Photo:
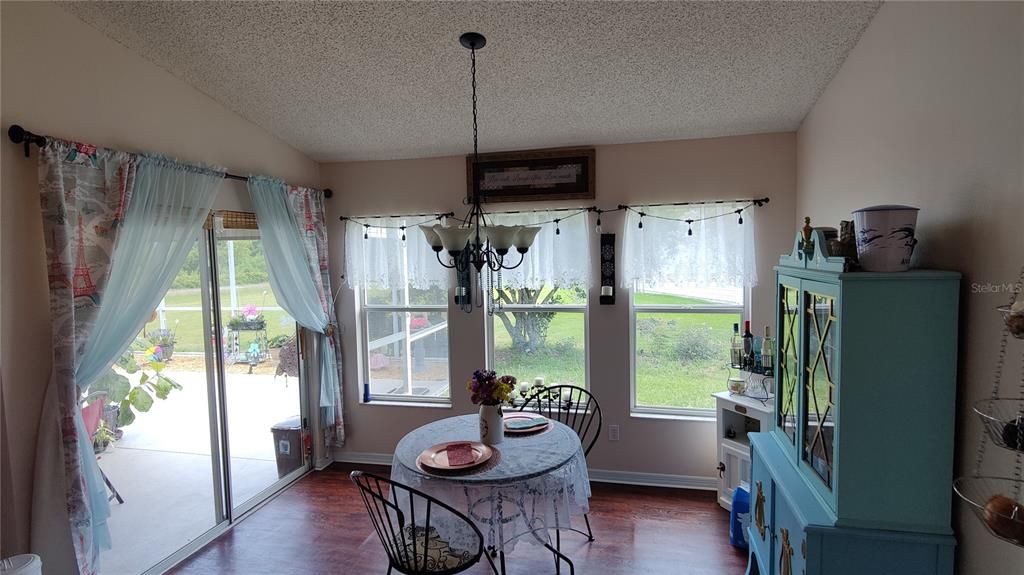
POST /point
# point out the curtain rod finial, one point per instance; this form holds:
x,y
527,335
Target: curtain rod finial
x,y
328,192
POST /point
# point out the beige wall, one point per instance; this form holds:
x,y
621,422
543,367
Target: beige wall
x,y
721,168
62,77
928,110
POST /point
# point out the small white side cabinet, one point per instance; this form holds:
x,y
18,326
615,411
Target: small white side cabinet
x,y
736,416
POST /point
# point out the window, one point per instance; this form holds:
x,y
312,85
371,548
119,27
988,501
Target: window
x,y
540,333
687,292
403,312
681,344
539,323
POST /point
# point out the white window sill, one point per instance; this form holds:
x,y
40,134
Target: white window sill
x,y
709,418
403,403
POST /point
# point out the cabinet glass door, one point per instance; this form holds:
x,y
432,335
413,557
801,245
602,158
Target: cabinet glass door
x,y
819,386
788,366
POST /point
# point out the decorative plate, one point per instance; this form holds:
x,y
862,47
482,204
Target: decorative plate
x,y
519,422
436,457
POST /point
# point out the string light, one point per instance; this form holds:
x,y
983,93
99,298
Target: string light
x,y
442,218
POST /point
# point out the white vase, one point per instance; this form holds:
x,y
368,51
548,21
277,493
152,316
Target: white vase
x,y
492,426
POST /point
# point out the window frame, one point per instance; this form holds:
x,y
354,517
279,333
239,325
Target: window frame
x,y
363,308
635,410
582,308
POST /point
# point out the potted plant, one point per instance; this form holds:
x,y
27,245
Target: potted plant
x,y
164,339
130,397
251,319
102,438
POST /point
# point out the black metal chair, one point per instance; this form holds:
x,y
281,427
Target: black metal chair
x,y
580,410
401,516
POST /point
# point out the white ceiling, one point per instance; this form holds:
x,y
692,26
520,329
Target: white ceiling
x,y
379,80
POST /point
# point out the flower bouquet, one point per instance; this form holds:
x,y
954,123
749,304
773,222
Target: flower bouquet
x,y
489,391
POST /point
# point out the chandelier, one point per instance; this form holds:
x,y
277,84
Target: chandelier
x,y
474,242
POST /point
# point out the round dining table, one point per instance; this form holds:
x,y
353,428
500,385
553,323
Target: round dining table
x,y
533,483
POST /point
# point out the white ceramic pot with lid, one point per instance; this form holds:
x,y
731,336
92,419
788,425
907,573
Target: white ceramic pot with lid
x,y
885,237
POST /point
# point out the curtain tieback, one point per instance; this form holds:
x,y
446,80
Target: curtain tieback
x,y
329,330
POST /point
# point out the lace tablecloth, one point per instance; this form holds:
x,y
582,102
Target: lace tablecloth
x,y
538,482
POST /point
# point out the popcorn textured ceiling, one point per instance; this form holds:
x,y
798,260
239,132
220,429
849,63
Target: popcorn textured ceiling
x,y
383,80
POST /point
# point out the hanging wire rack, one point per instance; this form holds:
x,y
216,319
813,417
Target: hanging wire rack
x,y
996,500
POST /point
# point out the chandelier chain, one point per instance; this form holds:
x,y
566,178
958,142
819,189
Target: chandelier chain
x,y
476,151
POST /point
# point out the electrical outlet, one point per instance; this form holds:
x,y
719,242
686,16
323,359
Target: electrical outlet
x,y
613,433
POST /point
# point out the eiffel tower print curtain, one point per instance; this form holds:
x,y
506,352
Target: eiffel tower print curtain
x,y
292,223
118,227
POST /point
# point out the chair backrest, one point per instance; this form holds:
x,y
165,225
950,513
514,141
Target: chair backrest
x,y
571,405
392,507
91,415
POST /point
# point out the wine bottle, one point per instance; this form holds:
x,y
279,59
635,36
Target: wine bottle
x,y
768,352
748,345
736,351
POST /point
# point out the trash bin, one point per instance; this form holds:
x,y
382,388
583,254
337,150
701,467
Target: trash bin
x,y
21,565
739,519
288,445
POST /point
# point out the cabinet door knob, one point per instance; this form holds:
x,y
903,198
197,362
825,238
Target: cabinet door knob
x,y
721,469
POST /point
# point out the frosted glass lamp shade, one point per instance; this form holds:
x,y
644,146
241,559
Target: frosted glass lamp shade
x,y
525,236
502,237
484,234
453,239
432,238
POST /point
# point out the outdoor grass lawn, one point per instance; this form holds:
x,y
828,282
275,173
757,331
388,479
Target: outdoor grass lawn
x,y
681,358
190,323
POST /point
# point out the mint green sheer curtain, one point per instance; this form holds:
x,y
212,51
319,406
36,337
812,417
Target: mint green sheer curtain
x,y
168,206
295,282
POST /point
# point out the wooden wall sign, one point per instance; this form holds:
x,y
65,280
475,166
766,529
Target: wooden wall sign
x,y
532,175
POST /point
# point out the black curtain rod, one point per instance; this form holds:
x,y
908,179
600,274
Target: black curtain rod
x,y
20,135
758,202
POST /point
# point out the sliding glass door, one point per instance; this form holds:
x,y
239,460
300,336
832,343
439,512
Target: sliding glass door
x,y
204,416
259,357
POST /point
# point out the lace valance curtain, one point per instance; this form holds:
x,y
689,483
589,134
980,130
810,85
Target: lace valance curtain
x,y
556,259
382,259
662,254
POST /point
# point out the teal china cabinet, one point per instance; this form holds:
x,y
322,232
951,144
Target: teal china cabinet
x,y
853,476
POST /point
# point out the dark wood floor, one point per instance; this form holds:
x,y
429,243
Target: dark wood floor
x,y
319,526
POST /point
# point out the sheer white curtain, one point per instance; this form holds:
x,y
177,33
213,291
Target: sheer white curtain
x,y
662,254
556,259
379,259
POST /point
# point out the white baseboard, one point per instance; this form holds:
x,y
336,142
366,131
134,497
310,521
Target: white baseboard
x,y
654,479
599,475
363,458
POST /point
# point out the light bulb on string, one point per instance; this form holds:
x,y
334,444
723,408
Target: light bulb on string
x,y
598,227
689,230
558,231
403,232
740,213
641,224
366,231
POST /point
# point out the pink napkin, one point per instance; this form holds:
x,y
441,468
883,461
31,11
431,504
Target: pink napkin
x,y
460,454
